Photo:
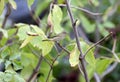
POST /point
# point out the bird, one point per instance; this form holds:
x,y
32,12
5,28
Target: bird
x,y
58,37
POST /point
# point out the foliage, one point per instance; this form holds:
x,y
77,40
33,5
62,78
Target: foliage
x,y
28,49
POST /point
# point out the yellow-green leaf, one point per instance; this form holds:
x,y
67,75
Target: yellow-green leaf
x,y
57,18
38,31
46,47
2,4
30,2
5,33
74,57
102,64
13,3
26,41
90,59
22,32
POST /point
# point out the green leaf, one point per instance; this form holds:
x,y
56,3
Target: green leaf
x,y
13,3
90,59
44,73
26,72
102,64
108,24
17,78
22,32
46,47
2,76
89,28
26,41
57,18
7,64
30,2
102,30
5,33
38,31
8,77
2,4
36,42
17,65
28,59
74,57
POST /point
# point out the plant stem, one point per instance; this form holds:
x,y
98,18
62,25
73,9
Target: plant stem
x,y
6,15
68,52
35,71
82,9
95,44
77,40
51,67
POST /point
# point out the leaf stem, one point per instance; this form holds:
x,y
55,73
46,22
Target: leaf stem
x,y
95,44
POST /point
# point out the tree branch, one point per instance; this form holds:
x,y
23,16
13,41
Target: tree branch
x,y
63,48
82,9
77,40
96,44
51,67
35,71
6,15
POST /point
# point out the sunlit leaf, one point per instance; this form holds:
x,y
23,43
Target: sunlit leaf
x,y
38,31
102,64
5,33
18,78
2,4
108,24
74,57
90,59
22,32
8,77
13,3
57,18
30,2
26,41
46,47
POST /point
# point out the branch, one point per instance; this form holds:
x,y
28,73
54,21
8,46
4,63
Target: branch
x,y
82,9
36,19
96,44
35,71
97,78
77,39
113,50
6,15
63,48
51,67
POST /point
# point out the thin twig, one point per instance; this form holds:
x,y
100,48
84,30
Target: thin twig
x,y
7,45
36,19
113,66
113,50
96,44
6,15
82,9
97,78
77,40
35,71
51,67
63,48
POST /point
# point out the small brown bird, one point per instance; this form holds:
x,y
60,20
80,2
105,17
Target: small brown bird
x,y
58,37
